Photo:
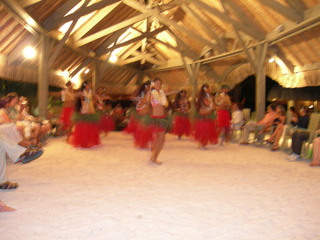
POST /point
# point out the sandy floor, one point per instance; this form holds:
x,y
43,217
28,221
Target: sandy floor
x,y
111,192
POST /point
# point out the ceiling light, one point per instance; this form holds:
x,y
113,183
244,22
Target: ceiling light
x,y
271,60
29,52
113,59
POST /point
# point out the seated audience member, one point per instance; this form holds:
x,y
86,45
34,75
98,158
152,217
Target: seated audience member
x,y
45,126
237,120
299,137
316,153
265,123
279,124
294,116
14,111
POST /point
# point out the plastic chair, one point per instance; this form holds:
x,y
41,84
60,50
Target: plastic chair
x,y
313,126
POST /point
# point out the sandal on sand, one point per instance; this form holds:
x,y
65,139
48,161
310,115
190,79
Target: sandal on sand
x,y
32,157
8,185
5,208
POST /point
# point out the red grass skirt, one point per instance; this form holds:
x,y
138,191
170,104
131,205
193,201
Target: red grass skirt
x,y
142,135
224,119
205,131
66,116
132,126
106,123
85,135
181,126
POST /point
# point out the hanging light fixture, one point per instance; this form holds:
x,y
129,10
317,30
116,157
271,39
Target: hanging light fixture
x,y
29,52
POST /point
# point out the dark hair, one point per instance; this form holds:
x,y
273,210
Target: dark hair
x,y
142,88
84,84
273,106
202,95
177,98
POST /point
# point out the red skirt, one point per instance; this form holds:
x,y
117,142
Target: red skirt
x,y
142,135
205,131
132,126
181,126
224,119
106,123
85,135
65,117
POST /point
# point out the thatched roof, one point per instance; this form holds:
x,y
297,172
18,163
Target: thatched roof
x,y
163,38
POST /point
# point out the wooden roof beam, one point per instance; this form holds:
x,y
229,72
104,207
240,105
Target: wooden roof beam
x,y
85,28
112,39
295,15
220,43
280,59
83,64
296,4
157,14
242,16
59,13
250,54
28,3
49,25
130,50
66,36
224,17
112,29
139,38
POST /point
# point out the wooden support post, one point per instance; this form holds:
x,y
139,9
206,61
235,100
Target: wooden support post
x,y
261,81
194,81
43,75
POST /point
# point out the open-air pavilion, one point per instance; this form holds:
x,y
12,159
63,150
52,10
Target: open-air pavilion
x,y
110,192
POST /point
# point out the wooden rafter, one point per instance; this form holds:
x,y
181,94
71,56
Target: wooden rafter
x,y
60,13
296,15
28,3
139,38
49,25
83,64
112,29
204,25
93,21
226,18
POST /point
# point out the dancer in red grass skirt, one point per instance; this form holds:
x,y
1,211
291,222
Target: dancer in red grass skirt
x,y
181,120
159,121
141,132
223,102
68,98
86,122
205,129
104,108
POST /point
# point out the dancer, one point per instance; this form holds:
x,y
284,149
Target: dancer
x,y
86,121
68,97
205,126
159,121
181,122
140,115
223,103
106,121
